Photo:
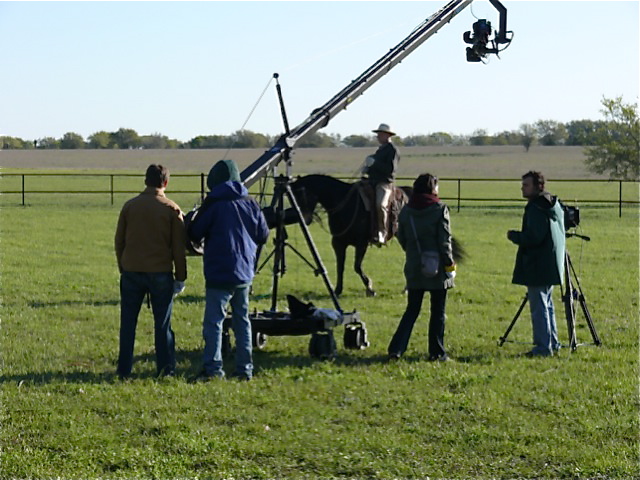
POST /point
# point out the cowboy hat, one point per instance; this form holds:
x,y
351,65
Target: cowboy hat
x,y
384,128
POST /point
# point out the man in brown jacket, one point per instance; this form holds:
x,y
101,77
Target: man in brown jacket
x,y
150,249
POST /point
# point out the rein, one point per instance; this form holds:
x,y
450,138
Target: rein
x,y
340,206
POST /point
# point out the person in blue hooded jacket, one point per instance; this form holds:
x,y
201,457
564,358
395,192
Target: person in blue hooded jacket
x,y
232,226
540,259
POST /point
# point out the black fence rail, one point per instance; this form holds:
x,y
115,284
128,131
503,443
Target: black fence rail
x,y
458,192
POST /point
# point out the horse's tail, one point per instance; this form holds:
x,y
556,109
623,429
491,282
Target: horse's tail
x,y
459,252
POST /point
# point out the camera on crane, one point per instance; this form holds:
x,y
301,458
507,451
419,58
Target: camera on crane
x,y
479,40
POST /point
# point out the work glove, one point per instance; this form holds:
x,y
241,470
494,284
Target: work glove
x,y
365,166
450,271
178,287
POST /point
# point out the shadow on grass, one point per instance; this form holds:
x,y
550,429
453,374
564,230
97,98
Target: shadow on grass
x,y
191,362
75,303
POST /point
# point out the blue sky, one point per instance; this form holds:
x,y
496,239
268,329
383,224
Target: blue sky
x,y
197,68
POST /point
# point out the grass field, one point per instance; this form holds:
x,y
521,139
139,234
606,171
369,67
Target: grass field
x,y
488,414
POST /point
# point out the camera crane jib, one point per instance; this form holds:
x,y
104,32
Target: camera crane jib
x,y
321,116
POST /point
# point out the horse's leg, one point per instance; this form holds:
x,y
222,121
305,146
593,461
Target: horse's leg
x,y
357,266
340,251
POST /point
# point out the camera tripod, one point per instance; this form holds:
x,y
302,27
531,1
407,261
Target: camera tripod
x,y
282,218
570,294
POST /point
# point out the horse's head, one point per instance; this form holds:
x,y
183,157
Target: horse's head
x,y
305,198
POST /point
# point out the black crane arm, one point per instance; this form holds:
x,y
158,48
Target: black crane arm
x,y
321,116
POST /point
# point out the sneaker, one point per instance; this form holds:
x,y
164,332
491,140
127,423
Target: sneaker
x,y
392,357
241,377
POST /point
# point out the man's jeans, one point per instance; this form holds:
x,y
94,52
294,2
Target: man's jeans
x,y
543,320
133,288
214,315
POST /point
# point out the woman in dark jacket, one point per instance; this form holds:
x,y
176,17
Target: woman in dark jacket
x,y
432,226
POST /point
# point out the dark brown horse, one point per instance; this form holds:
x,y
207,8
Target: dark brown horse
x,y
349,220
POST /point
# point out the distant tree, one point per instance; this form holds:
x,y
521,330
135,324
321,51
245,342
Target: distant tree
x,y
551,133
582,132
317,140
432,139
358,141
248,139
480,137
528,135
100,139
440,138
125,138
209,141
154,141
71,140
617,149
414,140
459,140
48,143
14,143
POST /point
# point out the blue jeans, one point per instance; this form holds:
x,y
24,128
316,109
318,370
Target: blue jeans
x,y
215,312
400,340
543,320
133,288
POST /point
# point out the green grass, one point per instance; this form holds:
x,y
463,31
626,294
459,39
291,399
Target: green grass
x,y
488,414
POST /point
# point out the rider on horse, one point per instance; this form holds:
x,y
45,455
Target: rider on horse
x,y
381,168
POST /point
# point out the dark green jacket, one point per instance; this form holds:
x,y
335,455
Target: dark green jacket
x,y
433,227
385,164
541,243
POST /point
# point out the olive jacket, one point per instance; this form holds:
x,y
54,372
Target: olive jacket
x,y
433,227
541,243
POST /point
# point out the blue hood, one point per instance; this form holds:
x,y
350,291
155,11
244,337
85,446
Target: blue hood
x,y
229,190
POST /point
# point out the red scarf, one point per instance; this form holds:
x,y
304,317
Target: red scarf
x,y
420,201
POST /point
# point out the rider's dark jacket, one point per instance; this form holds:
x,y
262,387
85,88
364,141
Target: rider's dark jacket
x,y
383,169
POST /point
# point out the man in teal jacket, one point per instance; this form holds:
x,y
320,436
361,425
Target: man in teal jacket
x,y
540,259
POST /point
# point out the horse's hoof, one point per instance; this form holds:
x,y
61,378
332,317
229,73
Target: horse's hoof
x,y
371,293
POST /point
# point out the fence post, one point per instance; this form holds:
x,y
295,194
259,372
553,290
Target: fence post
x,y
23,189
620,200
458,195
111,188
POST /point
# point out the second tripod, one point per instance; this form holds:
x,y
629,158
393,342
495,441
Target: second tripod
x,y
572,293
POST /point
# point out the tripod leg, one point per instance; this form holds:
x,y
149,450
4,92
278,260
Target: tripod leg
x,y
569,308
587,316
583,305
503,338
320,270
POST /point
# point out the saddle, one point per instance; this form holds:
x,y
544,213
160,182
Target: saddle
x,y
397,201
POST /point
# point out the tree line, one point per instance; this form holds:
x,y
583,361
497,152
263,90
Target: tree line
x,y
611,145
543,132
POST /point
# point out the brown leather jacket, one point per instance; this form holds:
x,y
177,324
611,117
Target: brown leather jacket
x,y
150,236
